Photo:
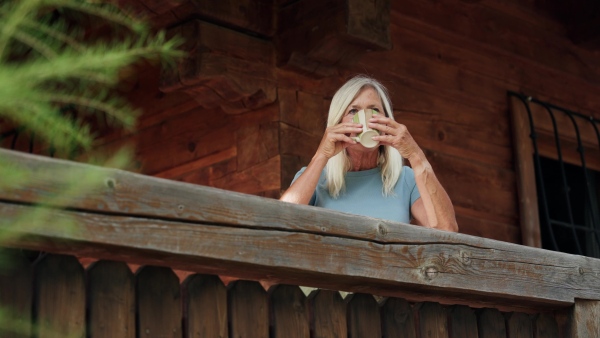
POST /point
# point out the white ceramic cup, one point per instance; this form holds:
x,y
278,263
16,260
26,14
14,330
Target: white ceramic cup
x,y
366,136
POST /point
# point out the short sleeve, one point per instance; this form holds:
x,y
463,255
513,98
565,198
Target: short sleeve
x,y
313,199
412,184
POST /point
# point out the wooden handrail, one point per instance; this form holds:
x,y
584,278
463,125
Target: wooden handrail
x,y
145,220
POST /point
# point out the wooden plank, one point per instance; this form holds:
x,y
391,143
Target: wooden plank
x,y
528,203
198,164
60,297
433,322
491,324
158,302
363,316
585,319
519,325
289,312
425,261
248,310
16,294
205,307
328,314
262,177
111,300
398,320
463,322
545,326
254,15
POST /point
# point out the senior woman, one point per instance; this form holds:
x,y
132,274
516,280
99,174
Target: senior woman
x,y
346,176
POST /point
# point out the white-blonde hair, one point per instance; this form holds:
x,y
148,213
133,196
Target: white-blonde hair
x,y
390,160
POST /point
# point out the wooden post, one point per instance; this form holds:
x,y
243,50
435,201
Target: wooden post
x,y
519,325
585,319
398,320
158,302
60,297
205,306
463,322
328,314
491,324
111,300
289,312
363,316
528,203
248,310
16,294
433,321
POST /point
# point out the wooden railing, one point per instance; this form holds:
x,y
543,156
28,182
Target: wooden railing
x,y
434,282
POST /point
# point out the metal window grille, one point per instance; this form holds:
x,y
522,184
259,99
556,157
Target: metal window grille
x,y
567,194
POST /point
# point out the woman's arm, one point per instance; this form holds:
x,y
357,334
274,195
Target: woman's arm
x,y
434,209
334,140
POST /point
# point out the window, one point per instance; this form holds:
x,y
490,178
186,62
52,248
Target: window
x,y
558,169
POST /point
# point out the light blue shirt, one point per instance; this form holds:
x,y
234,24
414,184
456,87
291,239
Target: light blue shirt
x,y
363,195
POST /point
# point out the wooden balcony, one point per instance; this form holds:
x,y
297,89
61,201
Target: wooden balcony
x,y
406,281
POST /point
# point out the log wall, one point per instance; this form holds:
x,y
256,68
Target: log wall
x,y
251,108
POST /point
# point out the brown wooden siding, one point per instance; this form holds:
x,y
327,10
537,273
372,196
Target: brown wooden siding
x,y
448,72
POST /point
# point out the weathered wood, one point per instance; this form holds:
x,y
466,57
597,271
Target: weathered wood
x,y
528,203
315,35
111,300
545,326
433,321
254,15
328,314
585,319
398,320
223,68
60,297
289,312
271,234
248,310
463,322
491,324
16,294
519,325
205,307
158,302
363,316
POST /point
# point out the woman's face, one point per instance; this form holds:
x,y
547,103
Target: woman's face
x,y
367,98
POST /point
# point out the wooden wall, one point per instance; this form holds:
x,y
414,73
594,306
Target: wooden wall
x,y
449,68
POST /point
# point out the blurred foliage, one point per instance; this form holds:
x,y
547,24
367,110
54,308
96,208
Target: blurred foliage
x,y
67,55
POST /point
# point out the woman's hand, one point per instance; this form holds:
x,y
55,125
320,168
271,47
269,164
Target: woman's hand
x,y
337,138
394,134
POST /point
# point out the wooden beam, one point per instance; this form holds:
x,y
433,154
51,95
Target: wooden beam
x,y
154,221
528,203
585,319
315,37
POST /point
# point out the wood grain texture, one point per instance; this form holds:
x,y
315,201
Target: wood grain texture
x,y
327,314
248,310
205,307
463,322
60,297
585,319
289,312
433,321
158,302
364,320
111,300
528,202
16,294
546,326
491,324
269,235
398,320
519,325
